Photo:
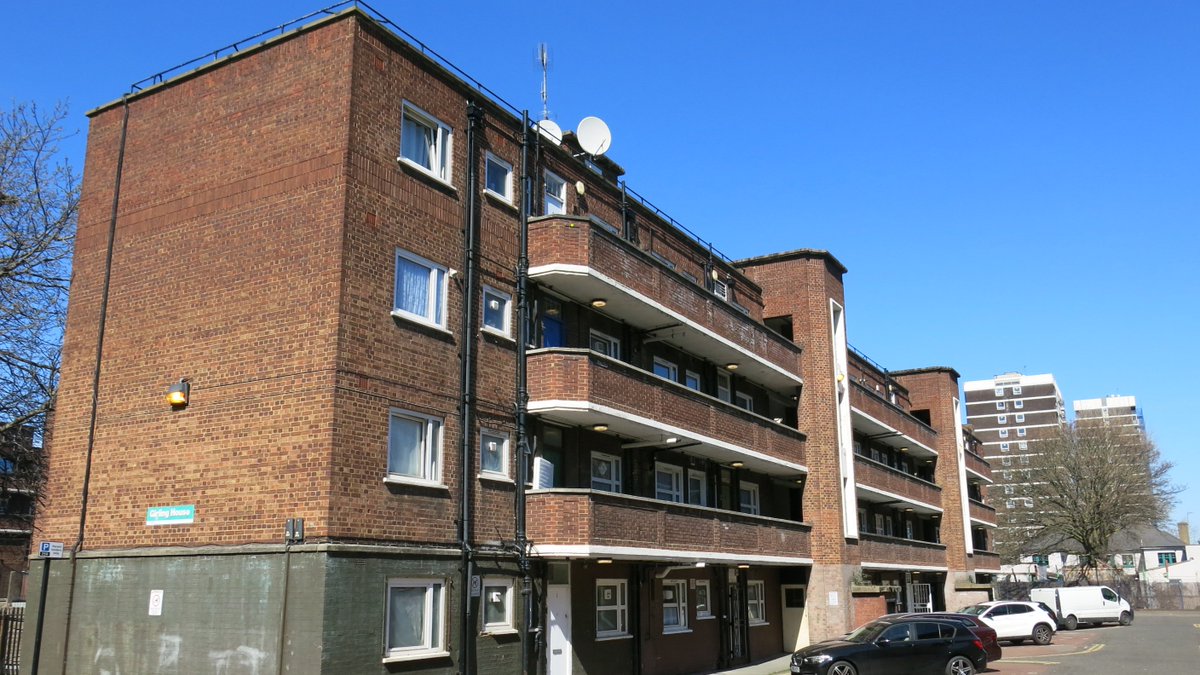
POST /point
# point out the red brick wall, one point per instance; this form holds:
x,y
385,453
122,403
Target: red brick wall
x,y
870,473
868,608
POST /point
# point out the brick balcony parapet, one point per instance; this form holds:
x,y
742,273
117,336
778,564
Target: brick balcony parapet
x,y
982,512
892,415
876,475
875,548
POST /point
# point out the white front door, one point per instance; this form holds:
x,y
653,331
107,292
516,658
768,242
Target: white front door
x,y
558,616
793,617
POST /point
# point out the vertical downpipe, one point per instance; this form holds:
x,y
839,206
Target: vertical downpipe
x,y
467,400
523,401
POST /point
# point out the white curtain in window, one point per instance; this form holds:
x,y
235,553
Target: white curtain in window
x,y
405,438
412,287
416,143
406,618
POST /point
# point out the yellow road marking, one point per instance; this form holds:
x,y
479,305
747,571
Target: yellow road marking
x,y
1090,650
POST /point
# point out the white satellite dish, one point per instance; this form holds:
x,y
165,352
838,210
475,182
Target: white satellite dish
x,y
551,130
594,136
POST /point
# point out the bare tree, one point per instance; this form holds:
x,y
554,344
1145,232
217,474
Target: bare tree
x,y
39,196
1085,484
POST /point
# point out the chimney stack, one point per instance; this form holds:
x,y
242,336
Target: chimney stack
x,y
1184,533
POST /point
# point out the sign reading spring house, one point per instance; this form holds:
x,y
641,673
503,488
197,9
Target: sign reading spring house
x,y
171,515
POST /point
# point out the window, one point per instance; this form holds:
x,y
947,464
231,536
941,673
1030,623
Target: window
x,y
745,401
908,529
1021,431
496,306
674,599
1016,391
414,447
724,387
493,453
498,178
878,523
605,344
420,289
662,259
1002,419
1166,558
1028,503
1109,594
1024,459
611,608
606,472
999,391
691,379
497,605
425,142
1008,489
665,369
720,289
1020,417
1018,404
416,619
1006,461
1023,445
703,606
668,482
793,597
1010,503
999,405
1008,475
1004,433
756,602
697,488
555,202
1043,560
748,497
551,322
1004,447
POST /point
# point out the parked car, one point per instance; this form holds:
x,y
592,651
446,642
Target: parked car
x,y
1015,621
985,633
896,646
1085,604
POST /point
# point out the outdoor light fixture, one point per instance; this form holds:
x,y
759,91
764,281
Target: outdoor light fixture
x,y
736,465
600,427
599,303
177,394
743,566
731,366
580,188
908,510
800,481
671,439
603,561
904,449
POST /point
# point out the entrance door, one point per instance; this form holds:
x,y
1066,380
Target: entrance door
x,y
793,615
735,638
922,597
558,618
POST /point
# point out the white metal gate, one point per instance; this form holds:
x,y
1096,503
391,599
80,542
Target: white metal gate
x,y
920,597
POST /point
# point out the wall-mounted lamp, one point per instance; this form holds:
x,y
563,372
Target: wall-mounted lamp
x,y
580,188
599,303
177,394
800,480
716,276
841,377
603,561
600,427
731,366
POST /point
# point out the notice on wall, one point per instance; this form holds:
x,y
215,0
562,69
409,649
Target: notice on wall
x,y
833,598
171,515
156,600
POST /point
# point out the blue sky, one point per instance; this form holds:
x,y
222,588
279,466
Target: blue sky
x,y
1013,185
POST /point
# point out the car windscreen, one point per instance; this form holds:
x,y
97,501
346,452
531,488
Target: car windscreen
x,y
867,632
974,610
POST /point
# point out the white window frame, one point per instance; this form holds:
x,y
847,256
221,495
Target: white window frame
x,y
675,494
1002,419
679,591
549,208
431,449
505,301
754,506
1006,461
706,612
441,154
1019,418
744,401
614,466
1010,503
725,387
1021,431
697,477
671,368
433,620
437,299
1016,391
505,625
879,523
1019,404
614,345
690,377
1003,433
501,439
999,405
1023,445
1028,502
999,391
720,289
1004,447
507,195
620,606
756,605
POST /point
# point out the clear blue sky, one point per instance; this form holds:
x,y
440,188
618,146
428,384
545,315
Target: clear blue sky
x,y
1013,185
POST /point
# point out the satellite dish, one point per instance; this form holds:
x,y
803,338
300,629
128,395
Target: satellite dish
x,y
594,136
550,130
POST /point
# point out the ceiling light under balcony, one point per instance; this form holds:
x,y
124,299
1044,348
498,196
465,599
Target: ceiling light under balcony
x,y
600,427
743,566
671,439
599,303
736,465
731,366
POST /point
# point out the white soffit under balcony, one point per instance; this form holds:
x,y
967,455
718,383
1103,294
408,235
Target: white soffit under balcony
x,y
584,284
983,523
980,476
876,496
897,438
662,555
868,565
638,428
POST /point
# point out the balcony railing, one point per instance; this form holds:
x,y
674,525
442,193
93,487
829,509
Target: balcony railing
x,y
982,512
584,261
875,475
563,519
583,387
880,550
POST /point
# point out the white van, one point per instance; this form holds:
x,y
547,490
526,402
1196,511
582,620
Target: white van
x,y
1084,604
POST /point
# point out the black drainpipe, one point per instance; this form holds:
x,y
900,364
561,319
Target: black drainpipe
x,y
91,441
467,416
523,402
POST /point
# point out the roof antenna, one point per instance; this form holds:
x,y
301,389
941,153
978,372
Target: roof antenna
x,y
543,57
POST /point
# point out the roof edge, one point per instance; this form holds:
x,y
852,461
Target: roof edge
x,y
795,254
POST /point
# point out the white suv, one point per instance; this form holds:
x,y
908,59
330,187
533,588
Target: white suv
x,y
1015,621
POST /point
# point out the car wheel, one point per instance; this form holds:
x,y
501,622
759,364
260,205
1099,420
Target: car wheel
x,y
1071,623
1126,619
842,668
960,665
1042,634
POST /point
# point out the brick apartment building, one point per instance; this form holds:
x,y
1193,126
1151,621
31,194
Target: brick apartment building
x,y
1116,411
19,482
715,477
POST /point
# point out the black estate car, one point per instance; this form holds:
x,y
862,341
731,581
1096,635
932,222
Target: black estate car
x,y
896,646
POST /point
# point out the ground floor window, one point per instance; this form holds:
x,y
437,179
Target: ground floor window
x,y
703,606
756,601
675,614
416,618
497,605
611,608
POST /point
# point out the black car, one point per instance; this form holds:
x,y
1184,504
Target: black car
x,y
896,646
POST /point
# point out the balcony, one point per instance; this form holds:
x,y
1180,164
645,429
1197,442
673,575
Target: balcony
x,y
584,523
978,466
579,387
986,561
982,513
875,480
579,259
879,418
892,553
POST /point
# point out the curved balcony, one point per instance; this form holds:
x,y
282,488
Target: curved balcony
x,y
878,551
579,259
876,482
582,388
588,523
982,513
